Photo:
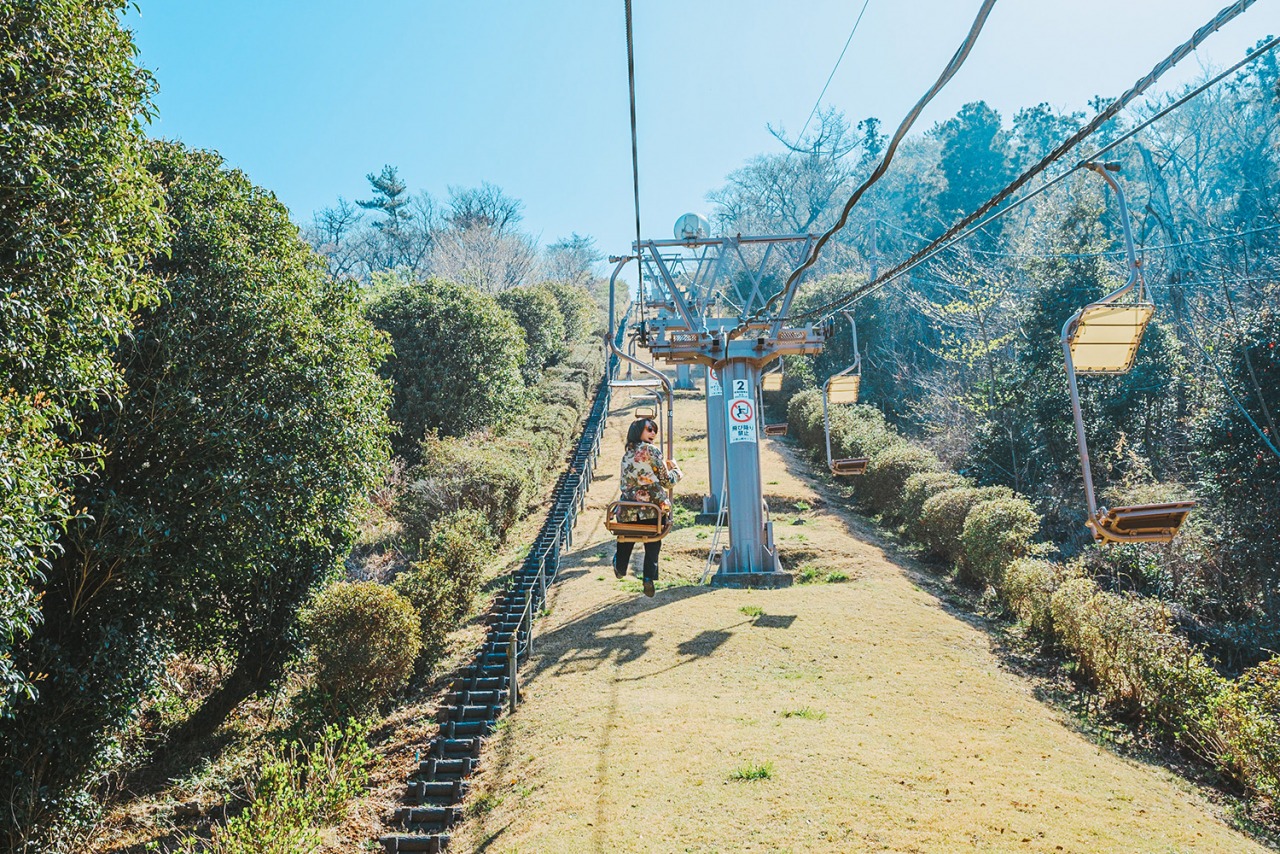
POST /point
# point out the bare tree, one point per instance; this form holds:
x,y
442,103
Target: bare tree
x,y
572,259
484,258
486,205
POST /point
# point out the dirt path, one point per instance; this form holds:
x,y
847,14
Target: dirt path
x,y
873,719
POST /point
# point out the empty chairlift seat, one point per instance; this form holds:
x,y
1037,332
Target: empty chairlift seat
x,y
842,388
1103,338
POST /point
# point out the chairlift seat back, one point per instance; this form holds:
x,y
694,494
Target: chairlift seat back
x,y
776,429
1106,338
646,412
843,389
1144,523
849,466
771,382
642,530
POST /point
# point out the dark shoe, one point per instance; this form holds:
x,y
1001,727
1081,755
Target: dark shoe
x,y
618,571
648,587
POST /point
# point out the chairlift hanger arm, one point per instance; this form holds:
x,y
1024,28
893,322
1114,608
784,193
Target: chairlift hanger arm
x,y
613,347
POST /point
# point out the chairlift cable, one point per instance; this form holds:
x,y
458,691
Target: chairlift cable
x,y
953,235
635,155
948,72
831,76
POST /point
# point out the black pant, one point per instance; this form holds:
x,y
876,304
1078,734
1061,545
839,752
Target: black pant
x,y
623,557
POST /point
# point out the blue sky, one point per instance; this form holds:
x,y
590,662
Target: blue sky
x,y
308,97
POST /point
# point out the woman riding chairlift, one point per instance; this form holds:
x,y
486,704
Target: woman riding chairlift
x,y
1103,338
842,387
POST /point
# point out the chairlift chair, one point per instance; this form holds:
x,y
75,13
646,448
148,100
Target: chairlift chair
x,y
842,388
1103,338
772,381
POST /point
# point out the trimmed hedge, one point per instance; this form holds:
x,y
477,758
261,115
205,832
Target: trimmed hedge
x,y
887,474
996,533
1246,728
942,517
918,489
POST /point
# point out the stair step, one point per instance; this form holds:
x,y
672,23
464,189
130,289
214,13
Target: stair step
x,y
476,698
439,818
440,792
393,843
444,769
477,712
445,748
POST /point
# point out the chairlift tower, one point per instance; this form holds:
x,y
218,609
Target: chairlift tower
x,y
705,322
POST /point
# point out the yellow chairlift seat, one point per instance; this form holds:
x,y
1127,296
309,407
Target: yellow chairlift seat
x,y
1141,523
843,388
850,465
771,381
776,429
1103,338
1106,337
639,531
646,412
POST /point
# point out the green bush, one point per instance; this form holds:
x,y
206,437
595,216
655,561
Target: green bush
x,y
1028,585
364,639
1128,649
887,474
1246,724
582,315
861,431
562,393
918,489
297,790
996,532
804,419
456,365
464,474
463,544
942,517
537,312
434,593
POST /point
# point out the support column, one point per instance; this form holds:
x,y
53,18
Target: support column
x,y
683,380
751,559
715,447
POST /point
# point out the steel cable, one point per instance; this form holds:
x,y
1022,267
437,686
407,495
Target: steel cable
x,y
947,73
1144,83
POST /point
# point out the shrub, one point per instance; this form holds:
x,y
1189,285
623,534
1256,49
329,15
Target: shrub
x,y
457,474
1028,585
364,638
918,489
537,312
462,544
581,313
298,789
432,590
860,431
568,394
1246,722
804,418
942,517
456,361
996,532
887,474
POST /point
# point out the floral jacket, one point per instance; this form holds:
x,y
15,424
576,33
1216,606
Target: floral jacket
x,y
645,478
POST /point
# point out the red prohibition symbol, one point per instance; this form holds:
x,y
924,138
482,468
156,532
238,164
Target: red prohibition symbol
x,y
741,411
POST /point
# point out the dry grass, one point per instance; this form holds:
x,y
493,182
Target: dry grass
x,y
884,721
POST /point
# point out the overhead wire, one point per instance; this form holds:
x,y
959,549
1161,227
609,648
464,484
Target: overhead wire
x,y
953,235
948,72
832,75
635,150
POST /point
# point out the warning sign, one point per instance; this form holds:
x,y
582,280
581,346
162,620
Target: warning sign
x,y
714,389
742,421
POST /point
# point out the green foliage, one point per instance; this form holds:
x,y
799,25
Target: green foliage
x,y
434,593
1026,589
996,532
751,610
887,474
482,475
297,791
253,426
536,310
456,361
918,489
1243,476
749,771
942,518
80,215
1246,721
583,317
363,639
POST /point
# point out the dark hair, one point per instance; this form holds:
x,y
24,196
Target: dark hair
x,y
635,433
